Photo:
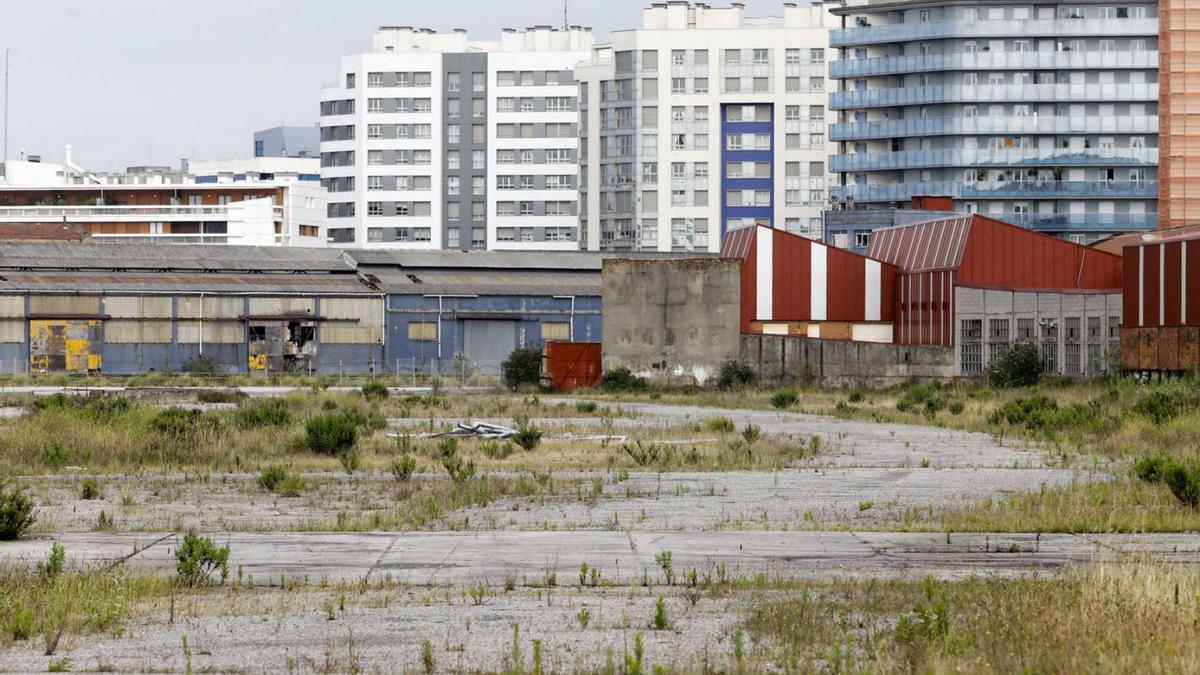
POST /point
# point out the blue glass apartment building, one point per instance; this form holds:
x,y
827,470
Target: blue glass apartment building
x,y
1041,114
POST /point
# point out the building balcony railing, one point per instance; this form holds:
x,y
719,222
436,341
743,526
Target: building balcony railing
x,y
993,93
925,30
1031,189
923,63
995,124
1030,157
1102,222
121,213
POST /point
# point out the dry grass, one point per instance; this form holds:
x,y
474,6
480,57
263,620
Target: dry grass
x,y
1110,619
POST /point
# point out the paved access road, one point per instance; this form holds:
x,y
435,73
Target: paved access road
x,y
469,557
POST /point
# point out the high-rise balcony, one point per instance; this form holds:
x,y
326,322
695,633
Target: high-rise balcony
x,y
926,30
1030,189
993,93
986,60
1001,157
995,124
1106,222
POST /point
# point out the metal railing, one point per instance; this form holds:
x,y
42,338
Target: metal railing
x,y
915,159
993,93
900,32
1031,189
996,124
984,60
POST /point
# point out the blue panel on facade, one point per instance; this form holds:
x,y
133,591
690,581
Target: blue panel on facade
x,y
760,213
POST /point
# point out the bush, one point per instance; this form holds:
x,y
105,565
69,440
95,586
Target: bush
x,y
1020,366
523,366
54,562
201,365
176,423
89,489
1163,405
403,467
1034,413
458,470
527,436
585,407
1152,469
54,455
621,379
16,511
262,413
376,391
720,425
1184,483
785,398
331,433
270,477
956,408
197,558
735,374
496,450
856,397
221,396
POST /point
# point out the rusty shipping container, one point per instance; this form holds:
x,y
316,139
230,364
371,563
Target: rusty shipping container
x,y
789,278
1161,327
572,365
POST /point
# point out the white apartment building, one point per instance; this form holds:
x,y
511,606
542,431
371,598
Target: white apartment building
x,y
702,121
433,141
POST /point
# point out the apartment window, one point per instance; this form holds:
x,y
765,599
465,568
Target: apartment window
x,y
505,78
453,81
762,57
374,182
700,85
650,172
453,185
478,211
453,159
506,156
862,239
374,208
478,82
375,157
733,57
423,331
477,186
552,78
558,156
422,79
526,78
506,104
453,211
527,156
452,237
525,208
791,56
374,105
816,83
506,182
478,160
678,85
733,85
453,133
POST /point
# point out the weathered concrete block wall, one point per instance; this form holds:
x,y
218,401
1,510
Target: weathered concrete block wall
x,y
843,363
673,320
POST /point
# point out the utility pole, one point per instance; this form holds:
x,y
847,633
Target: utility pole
x,y
5,157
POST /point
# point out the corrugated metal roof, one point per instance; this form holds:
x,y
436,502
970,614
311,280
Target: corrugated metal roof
x,y
149,282
736,243
922,247
83,256
488,282
545,260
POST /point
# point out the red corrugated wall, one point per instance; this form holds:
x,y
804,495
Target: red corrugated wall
x,y
1160,329
924,303
1001,255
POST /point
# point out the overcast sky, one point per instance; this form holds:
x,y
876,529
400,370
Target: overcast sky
x,y
130,82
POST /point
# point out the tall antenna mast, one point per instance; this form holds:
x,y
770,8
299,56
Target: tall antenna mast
x,y
565,14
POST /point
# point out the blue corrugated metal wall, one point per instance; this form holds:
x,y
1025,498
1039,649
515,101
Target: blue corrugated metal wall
x,y
529,311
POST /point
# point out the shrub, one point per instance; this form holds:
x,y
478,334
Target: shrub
x,y
785,398
643,454
292,485
201,365
523,366
176,423
1152,469
1020,366
271,477
585,407
735,374
54,455
956,408
330,433
720,425
751,433
403,467
1164,405
496,450
856,397
659,620
20,622
1034,413
16,511
375,391
459,470
221,396
1184,483
54,562
197,558
621,379
350,460
527,436
89,489
263,413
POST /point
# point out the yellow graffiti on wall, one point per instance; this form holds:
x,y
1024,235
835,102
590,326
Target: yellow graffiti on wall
x,y
64,345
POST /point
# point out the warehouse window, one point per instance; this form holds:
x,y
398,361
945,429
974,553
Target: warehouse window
x,y
997,339
972,349
1025,330
556,330
1072,358
422,330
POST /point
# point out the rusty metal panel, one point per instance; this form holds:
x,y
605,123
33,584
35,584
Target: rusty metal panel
x,y
128,331
138,307
215,307
79,305
571,365
281,306
64,346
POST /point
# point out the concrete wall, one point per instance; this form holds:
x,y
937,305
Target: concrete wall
x,y
671,319
842,362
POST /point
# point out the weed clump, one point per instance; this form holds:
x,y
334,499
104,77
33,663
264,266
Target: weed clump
x,y
277,479
523,366
331,433
1183,481
16,511
375,391
720,425
527,436
735,374
89,489
585,407
263,413
643,454
459,470
403,467
785,398
54,455
197,558
621,379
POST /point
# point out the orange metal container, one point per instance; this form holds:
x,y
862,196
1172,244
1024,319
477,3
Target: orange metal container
x,y
572,365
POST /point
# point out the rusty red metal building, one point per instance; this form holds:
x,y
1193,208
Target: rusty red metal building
x,y
973,251
572,365
794,285
1161,328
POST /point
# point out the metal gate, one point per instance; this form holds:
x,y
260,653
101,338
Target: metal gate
x,y
64,345
488,343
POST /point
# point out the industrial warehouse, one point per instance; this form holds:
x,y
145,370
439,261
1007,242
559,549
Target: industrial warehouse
x,y
98,308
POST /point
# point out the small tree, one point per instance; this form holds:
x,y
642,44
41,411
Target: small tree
x,y
16,511
196,558
523,366
1020,366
